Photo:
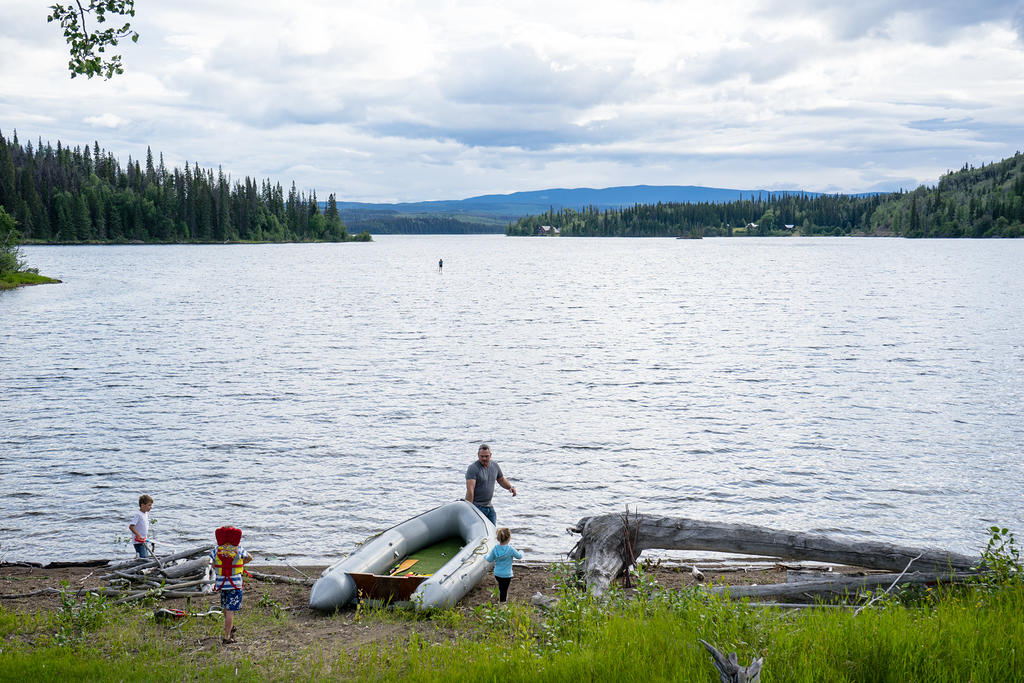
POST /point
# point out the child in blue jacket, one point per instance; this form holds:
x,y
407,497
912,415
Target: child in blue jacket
x,y
501,555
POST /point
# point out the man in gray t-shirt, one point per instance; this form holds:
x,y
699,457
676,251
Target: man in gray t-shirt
x,y
480,478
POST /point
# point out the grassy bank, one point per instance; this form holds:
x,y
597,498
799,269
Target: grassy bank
x,y
963,634
22,278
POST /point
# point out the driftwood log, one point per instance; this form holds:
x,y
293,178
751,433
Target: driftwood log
x,y
139,565
186,568
186,574
840,586
77,563
182,575
729,670
610,544
277,578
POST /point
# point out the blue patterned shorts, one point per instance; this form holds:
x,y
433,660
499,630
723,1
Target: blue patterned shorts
x,y
231,599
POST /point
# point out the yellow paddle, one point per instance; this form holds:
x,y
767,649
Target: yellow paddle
x,y
403,565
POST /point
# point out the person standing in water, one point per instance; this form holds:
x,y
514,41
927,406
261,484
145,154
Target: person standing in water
x,y
440,264
480,479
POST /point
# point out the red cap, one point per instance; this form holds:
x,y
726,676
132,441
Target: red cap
x,y
228,535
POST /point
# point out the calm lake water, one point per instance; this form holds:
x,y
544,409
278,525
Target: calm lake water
x,y
315,394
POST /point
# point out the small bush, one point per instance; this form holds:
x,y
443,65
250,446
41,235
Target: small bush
x,y
76,619
10,252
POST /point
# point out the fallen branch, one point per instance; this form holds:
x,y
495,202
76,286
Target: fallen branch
x,y
18,596
300,571
277,578
158,593
887,590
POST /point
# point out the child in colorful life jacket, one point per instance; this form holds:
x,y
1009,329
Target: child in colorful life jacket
x,y
501,555
229,558
140,526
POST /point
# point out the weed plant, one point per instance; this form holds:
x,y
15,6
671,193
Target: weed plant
x,y
77,618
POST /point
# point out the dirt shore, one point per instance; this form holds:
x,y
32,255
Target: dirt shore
x,y
304,625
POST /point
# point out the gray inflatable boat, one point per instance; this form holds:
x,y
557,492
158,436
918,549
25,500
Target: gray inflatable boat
x,y
431,560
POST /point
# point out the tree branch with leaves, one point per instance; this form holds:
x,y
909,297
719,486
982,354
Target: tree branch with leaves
x,y
10,252
88,50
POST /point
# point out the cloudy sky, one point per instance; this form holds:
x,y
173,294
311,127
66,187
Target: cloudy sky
x,y
445,99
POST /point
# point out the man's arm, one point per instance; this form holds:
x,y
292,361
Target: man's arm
x,y
470,489
505,484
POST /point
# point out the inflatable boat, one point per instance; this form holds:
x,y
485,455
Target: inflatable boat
x,y
431,560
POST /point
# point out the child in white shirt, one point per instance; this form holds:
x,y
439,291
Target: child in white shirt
x,y
140,526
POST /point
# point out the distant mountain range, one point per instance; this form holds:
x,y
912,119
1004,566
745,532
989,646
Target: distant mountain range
x,y
519,204
492,212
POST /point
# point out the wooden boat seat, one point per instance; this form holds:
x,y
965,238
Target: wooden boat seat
x,y
386,588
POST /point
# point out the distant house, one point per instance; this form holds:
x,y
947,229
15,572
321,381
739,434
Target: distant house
x,y
751,226
548,230
790,227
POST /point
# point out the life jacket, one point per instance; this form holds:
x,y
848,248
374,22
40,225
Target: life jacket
x,y
228,566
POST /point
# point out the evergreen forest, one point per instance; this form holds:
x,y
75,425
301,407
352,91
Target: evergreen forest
x,y
83,195
382,222
972,202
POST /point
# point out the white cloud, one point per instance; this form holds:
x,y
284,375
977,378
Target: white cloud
x,y
434,99
106,120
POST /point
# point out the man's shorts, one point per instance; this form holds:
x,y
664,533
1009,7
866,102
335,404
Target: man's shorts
x,y
231,599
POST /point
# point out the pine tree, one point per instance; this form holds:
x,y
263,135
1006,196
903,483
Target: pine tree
x,y
332,207
8,190
82,221
150,169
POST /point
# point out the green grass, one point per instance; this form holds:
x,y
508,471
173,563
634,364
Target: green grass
x,y
12,280
973,634
433,557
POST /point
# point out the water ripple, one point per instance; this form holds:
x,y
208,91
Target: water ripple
x,y
834,386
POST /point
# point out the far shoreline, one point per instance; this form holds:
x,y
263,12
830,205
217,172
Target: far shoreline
x,y
140,243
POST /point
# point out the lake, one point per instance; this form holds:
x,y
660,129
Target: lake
x,y
314,394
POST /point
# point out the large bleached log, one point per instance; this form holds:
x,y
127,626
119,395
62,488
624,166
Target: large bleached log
x,y
610,544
